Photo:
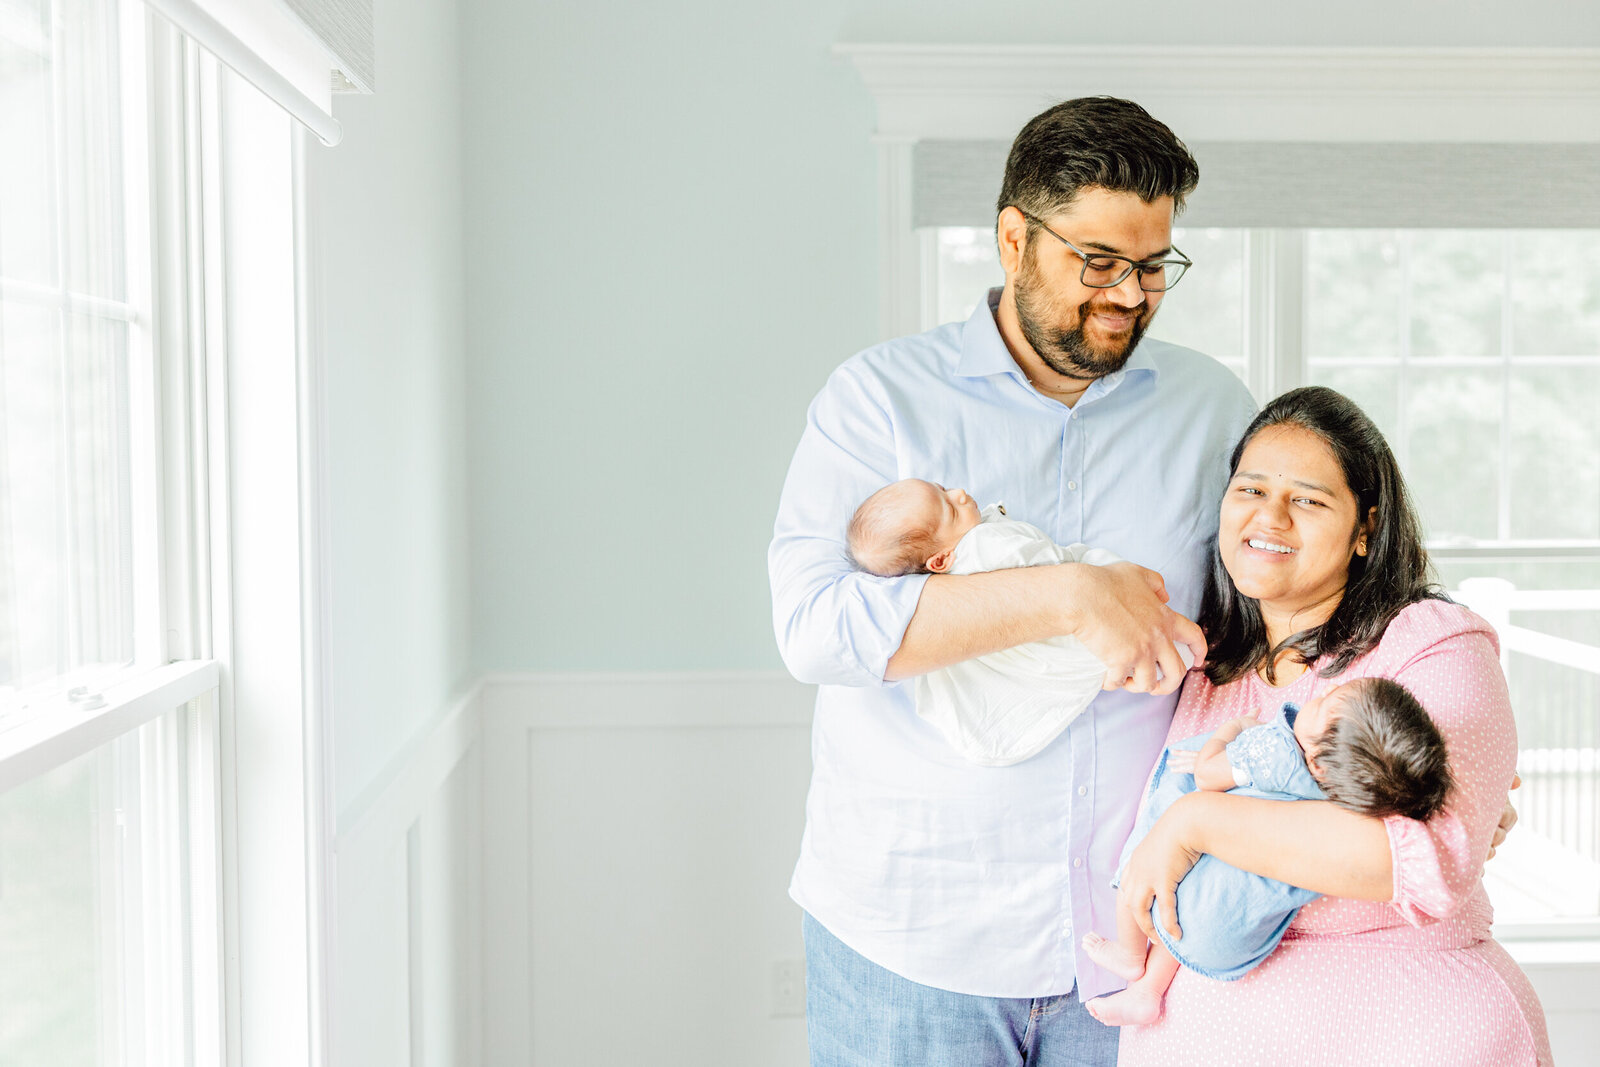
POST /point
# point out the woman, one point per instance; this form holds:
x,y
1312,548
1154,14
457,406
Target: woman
x,y
1319,577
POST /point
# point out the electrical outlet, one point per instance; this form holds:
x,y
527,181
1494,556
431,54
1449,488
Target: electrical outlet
x,y
788,989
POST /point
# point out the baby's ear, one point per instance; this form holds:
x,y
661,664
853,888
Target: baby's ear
x,y
940,563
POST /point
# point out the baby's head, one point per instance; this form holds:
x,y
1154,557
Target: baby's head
x,y
1374,750
910,527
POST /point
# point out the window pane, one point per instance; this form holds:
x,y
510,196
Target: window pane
x,y
1374,386
1555,452
65,529
968,267
1353,294
1205,311
1498,440
55,916
1457,292
1555,287
27,185
89,163
1452,453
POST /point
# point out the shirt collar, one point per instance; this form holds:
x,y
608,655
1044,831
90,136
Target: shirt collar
x,y
984,352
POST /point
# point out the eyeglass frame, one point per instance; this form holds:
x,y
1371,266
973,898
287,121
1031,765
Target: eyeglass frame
x,y
1133,264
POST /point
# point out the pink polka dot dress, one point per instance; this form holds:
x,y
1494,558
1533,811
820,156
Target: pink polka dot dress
x,y
1418,980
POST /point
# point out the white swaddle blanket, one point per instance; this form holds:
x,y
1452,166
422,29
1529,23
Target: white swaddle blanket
x,y
1007,706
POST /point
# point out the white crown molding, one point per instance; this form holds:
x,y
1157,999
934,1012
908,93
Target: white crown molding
x,y
927,92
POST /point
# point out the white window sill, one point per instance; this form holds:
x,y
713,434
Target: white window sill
x,y
1579,948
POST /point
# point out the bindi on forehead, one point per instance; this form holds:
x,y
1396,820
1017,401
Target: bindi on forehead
x,y
1315,487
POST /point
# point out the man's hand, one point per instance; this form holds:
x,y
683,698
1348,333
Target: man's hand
x,y
1122,617
1508,819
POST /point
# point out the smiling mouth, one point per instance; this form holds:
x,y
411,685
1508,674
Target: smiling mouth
x,y
1116,323
1270,546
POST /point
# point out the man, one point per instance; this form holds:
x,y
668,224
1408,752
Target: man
x,y
945,901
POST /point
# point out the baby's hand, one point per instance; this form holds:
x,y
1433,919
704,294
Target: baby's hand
x,y
1181,760
1234,727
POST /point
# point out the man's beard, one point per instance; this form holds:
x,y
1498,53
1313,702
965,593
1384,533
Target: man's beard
x,y
1068,352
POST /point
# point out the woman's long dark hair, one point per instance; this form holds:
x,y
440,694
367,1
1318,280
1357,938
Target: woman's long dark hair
x,y
1392,574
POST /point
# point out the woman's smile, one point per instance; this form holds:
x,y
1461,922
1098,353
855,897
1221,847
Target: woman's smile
x,y
1288,527
1272,548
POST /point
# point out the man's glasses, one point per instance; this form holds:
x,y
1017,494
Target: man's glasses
x,y
1102,270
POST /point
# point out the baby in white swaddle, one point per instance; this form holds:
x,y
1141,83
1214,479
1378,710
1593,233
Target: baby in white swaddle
x,y
1007,706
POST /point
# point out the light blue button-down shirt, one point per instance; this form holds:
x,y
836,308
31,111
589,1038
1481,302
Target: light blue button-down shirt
x,y
976,879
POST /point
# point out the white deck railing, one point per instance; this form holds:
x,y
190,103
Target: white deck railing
x,y
1560,755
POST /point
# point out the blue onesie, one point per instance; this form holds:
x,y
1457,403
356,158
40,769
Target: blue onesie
x,y
1231,919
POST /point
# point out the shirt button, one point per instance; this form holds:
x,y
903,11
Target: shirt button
x,y
1078,862
1072,485
1083,790
1066,929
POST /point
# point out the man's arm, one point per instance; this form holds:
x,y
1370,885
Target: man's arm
x,y
837,625
1119,612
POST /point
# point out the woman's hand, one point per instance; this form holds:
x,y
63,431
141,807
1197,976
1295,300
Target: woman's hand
x,y
1508,819
1156,867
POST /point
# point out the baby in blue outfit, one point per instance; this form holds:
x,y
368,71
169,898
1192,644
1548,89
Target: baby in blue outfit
x,y
1366,745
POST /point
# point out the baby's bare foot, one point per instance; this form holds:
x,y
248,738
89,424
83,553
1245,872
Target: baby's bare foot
x,y
1134,1006
1122,961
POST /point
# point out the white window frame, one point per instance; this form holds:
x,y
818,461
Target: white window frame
x,y
229,552
1450,95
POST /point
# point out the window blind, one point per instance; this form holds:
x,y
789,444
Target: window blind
x,y
1323,185
291,50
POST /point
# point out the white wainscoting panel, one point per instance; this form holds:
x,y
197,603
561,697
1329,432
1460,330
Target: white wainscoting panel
x,y
408,865
639,833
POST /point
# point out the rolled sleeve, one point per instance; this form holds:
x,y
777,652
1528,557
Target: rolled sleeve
x,y
1437,864
837,625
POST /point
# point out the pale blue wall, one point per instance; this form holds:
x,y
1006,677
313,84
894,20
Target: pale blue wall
x,y
387,206
671,240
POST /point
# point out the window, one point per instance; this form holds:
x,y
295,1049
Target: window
x,y
155,584
108,874
1477,352
67,337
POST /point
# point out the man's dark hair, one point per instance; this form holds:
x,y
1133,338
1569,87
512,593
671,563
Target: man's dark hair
x,y
1392,574
1094,141
1384,755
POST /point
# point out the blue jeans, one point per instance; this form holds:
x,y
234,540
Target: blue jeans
x,y
860,1015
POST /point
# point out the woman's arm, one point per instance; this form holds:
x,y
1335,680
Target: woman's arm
x,y
1426,870
1309,843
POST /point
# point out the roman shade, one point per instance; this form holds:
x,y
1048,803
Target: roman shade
x,y
1273,184
294,51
